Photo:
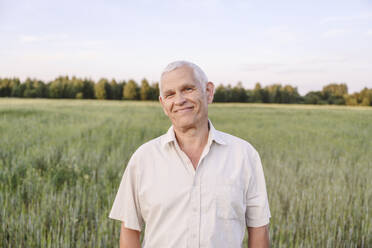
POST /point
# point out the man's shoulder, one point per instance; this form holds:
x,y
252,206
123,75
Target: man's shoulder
x,y
145,153
235,142
149,146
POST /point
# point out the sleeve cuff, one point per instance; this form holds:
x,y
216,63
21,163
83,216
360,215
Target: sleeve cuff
x,y
258,223
127,223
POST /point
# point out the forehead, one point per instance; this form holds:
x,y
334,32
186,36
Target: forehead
x,y
178,77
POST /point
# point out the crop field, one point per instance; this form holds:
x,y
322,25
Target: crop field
x,y
61,162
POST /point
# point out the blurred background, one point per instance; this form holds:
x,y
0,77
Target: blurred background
x,y
307,44
61,160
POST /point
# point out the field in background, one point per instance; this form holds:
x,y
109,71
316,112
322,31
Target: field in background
x,y
61,162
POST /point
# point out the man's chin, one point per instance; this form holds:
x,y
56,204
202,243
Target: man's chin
x,y
184,122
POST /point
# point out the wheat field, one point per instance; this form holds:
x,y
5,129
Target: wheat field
x,y
61,162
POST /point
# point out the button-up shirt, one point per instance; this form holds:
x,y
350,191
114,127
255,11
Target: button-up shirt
x,y
183,207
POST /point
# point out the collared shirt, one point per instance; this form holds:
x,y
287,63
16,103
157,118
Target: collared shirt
x,y
183,207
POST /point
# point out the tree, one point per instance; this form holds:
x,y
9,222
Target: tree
x,y
121,87
5,87
338,90
238,93
102,89
76,88
34,88
314,97
334,93
88,89
61,87
250,97
131,90
145,90
18,88
365,97
220,94
260,94
228,93
41,90
289,94
351,100
56,89
115,90
274,93
256,93
154,91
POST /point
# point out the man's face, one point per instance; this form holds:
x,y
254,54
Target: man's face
x,y
183,100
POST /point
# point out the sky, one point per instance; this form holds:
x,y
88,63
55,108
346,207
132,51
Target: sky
x,y
307,44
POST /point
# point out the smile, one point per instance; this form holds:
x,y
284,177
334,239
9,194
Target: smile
x,y
183,110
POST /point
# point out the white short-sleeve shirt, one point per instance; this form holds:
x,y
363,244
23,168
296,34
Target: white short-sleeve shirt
x,y
187,208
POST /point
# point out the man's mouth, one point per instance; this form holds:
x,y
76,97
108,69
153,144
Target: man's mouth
x,y
183,110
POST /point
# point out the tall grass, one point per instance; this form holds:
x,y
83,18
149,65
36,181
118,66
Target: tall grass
x,y
61,163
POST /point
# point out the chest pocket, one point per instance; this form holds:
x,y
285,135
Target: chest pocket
x,y
229,201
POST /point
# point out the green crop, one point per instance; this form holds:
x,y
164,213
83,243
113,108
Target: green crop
x,y
61,162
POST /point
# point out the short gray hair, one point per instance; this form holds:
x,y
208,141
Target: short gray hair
x,y
198,72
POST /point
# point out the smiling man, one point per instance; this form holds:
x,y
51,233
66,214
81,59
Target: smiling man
x,y
193,186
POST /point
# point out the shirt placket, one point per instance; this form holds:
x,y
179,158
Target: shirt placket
x,y
195,196
197,186
195,199
194,220
195,215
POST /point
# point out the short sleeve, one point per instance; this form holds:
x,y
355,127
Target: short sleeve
x,y
257,204
126,205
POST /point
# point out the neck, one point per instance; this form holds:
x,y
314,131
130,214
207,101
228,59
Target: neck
x,y
192,138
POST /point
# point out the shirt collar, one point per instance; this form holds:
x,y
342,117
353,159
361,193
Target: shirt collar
x,y
214,135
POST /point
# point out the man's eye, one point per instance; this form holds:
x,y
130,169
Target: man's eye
x,y
169,95
189,89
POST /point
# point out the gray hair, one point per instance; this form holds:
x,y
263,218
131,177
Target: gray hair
x,y
198,73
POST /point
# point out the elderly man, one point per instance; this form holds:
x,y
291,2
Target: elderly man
x,y
193,186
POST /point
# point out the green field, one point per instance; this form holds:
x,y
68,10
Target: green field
x,y
61,162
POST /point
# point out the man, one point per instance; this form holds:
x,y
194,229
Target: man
x,y
194,186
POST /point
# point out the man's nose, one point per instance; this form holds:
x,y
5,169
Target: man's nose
x,y
180,99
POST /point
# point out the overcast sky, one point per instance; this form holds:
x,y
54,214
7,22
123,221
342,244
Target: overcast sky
x,y
307,45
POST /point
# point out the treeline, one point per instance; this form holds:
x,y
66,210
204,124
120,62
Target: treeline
x,y
66,87
276,93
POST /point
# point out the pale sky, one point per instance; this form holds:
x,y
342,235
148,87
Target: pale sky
x,y
304,44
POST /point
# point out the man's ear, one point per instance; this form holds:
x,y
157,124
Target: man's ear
x,y
162,105
210,92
